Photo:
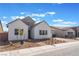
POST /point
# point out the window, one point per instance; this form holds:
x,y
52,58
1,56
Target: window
x,y
43,32
40,32
16,31
21,31
70,33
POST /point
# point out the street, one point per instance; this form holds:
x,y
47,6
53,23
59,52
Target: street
x,y
69,51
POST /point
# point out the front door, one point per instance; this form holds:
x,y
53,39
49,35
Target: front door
x,y
29,34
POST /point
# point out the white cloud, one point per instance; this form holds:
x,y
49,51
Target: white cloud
x,y
22,13
43,14
4,22
59,3
69,22
37,20
51,13
34,19
57,20
4,17
61,25
21,17
39,15
61,22
15,17
5,28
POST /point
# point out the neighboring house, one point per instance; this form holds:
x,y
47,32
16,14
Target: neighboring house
x,y
78,31
57,32
1,28
69,33
66,32
23,29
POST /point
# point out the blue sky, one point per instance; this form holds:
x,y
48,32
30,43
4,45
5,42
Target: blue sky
x,y
55,14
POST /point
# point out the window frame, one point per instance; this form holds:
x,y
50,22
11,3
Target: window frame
x,y
69,33
43,32
16,31
21,31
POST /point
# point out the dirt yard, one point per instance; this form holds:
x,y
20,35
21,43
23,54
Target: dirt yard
x,y
29,44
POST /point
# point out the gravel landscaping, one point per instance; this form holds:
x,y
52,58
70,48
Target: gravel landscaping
x,y
30,43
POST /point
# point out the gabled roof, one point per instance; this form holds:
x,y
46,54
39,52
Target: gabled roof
x,y
63,29
67,28
55,28
27,19
40,23
75,28
24,20
13,21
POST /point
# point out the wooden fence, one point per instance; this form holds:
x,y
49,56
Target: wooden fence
x,y
3,38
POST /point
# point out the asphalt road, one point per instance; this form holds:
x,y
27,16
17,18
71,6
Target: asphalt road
x,y
69,51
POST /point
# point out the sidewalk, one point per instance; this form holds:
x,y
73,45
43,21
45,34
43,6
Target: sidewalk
x,y
38,50
66,39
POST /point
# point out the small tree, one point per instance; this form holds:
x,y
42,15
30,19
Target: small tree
x,y
21,33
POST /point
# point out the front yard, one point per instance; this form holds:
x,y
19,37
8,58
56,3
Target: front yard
x,y
29,44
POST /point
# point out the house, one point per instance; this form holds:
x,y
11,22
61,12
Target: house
x,y
1,28
24,29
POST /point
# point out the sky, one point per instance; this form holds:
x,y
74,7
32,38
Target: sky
x,y
56,14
